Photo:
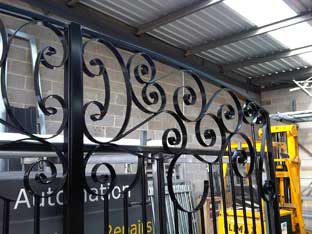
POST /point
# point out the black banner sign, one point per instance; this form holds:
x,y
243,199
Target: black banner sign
x,y
21,218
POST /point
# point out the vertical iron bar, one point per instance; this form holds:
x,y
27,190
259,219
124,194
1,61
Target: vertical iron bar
x,y
161,195
273,207
244,205
213,201
176,219
252,203
37,215
106,215
126,212
190,222
73,135
143,140
268,218
257,175
6,217
223,196
191,206
233,189
144,197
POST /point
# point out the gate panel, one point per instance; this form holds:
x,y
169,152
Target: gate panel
x,y
205,143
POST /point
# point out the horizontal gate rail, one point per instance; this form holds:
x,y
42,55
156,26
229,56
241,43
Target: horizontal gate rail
x,y
23,146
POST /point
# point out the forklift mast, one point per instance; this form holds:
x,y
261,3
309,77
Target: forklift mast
x,y
287,168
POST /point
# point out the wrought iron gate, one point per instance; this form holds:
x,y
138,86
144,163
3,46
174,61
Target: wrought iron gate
x,y
74,145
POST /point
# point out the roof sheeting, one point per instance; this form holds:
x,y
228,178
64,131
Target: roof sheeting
x,y
136,12
208,24
243,49
211,23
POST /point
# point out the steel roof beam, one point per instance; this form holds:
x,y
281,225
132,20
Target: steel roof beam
x,y
266,58
175,15
280,86
283,77
123,35
250,33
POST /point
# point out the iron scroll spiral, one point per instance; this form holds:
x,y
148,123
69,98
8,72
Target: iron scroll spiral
x,y
48,51
104,179
190,98
51,176
103,107
44,178
172,193
150,98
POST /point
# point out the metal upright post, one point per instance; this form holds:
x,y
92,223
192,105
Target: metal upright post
x,y
159,195
6,215
273,209
143,142
74,206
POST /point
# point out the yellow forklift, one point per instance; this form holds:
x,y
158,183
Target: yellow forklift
x,y
287,167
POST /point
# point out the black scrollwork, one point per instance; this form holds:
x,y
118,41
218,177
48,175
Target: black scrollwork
x,y
240,158
141,71
190,98
213,127
227,112
45,174
103,107
250,110
209,134
268,191
173,195
50,176
42,58
173,138
217,127
101,179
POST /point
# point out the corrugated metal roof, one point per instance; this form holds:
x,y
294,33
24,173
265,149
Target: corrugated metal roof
x,y
243,49
136,12
210,23
276,66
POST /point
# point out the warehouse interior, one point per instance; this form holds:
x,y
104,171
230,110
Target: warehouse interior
x,y
179,116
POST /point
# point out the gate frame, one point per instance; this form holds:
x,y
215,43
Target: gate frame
x,y
74,133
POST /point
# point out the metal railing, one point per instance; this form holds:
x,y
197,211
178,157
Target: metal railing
x,y
73,173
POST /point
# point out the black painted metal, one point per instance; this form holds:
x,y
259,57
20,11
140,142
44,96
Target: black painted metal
x,y
271,190
6,215
37,215
144,183
161,196
74,156
214,215
75,199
